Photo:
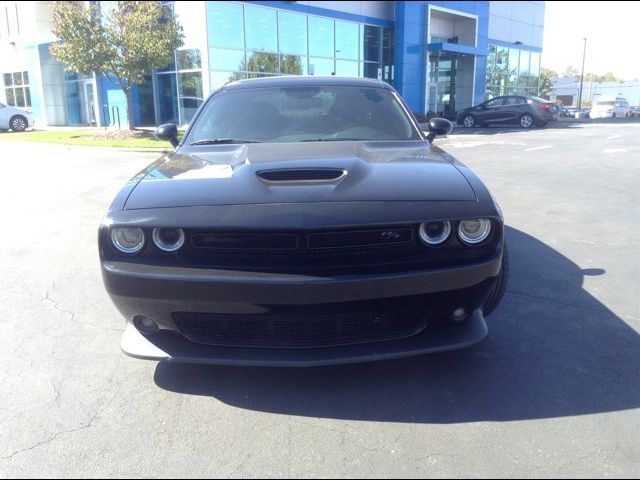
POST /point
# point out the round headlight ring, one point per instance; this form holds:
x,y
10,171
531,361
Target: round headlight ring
x,y
474,231
168,245
127,239
441,237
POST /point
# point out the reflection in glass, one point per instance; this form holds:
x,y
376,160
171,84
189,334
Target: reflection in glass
x,y
346,68
263,62
189,59
27,96
293,65
17,78
190,84
260,28
11,99
223,59
225,24
512,77
321,66
346,40
292,32
25,76
218,79
321,37
20,97
8,80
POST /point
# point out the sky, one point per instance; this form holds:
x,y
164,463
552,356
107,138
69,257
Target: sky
x,y
612,30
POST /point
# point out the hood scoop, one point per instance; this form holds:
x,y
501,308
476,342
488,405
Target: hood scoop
x,y
301,175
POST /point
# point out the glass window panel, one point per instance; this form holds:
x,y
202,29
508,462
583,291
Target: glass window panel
x,y
225,24
27,96
320,66
17,78
25,76
218,79
19,92
263,62
222,59
502,55
189,95
169,68
346,40
534,68
293,64
8,79
189,59
11,99
524,62
347,68
370,69
292,32
321,37
514,61
371,43
167,98
261,29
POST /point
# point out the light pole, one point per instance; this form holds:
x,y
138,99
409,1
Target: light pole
x,y
584,51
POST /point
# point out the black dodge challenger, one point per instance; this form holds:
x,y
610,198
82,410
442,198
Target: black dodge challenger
x,y
303,221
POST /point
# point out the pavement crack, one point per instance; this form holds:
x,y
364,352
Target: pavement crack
x,y
52,438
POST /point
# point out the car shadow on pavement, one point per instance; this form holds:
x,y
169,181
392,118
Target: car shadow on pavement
x,y
553,350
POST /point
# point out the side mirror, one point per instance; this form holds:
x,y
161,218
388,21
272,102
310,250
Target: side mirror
x,y
439,126
168,132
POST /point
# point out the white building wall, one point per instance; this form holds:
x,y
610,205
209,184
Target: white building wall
x,y
517,22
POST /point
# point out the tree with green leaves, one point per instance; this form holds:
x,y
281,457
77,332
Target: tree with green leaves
x,y
124,44
546,82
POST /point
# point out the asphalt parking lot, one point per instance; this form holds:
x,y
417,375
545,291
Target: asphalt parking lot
x,y
553,391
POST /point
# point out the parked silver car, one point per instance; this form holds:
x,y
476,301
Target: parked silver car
x,y
14,118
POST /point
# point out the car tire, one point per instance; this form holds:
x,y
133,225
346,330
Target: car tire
x,y
469,121
18,123
495,297
526,121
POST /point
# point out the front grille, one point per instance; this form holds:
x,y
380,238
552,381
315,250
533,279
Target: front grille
x,y
299,331
361,238
245,241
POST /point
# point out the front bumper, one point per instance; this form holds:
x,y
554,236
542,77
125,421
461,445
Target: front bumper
x,y
159,291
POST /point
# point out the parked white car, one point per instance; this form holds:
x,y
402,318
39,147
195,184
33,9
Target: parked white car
x,y
14,118
608,107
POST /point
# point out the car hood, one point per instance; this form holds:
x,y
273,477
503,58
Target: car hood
x,y
228,175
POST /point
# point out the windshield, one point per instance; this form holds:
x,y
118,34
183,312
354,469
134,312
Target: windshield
x,y
308,113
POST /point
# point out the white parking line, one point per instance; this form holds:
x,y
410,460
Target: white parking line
x,y
538,148
614,150
613,136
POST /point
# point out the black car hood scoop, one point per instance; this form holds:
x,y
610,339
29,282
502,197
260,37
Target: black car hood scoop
x,y
301,175
270,173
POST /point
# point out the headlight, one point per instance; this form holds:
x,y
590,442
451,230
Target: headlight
x,y
168,239
434,233
474,231
128,240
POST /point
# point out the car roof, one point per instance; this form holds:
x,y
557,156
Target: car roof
x,y
305,80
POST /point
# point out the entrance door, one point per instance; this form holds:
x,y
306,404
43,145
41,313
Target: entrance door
x,y
441,88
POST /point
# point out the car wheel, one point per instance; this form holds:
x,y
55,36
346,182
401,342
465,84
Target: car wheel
x,y
18,123
495,297
526,121
469,121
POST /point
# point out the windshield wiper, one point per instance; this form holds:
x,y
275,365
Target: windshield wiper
x,y
333,140
222,141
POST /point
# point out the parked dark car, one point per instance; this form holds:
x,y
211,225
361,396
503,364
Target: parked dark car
x,y
525,111
303,221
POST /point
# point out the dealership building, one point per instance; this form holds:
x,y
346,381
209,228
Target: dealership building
x,y
441,56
